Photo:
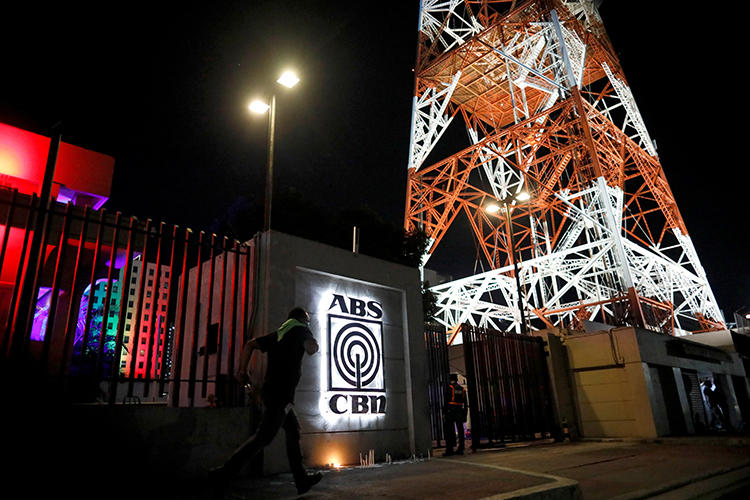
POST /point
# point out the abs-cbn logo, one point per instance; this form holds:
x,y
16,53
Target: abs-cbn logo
x,y
356,375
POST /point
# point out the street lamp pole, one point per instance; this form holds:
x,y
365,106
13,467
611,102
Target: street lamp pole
x,y
269,165
513,256
288,79
493,209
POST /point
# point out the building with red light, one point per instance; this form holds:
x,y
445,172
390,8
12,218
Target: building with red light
x,y
146,340
83,178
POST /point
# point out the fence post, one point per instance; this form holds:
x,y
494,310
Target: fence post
x,y
26,301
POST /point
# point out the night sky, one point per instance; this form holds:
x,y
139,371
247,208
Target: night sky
x,y
164,90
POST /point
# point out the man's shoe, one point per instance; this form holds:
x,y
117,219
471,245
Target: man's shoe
x,y
218,477
307,482
218,474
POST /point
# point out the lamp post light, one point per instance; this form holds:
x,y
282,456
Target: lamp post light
x,y
493,208
288,79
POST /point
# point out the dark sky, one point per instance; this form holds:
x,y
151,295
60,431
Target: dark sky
x,y
164,90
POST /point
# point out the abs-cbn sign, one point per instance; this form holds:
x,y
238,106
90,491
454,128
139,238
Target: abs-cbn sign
x,y
356,378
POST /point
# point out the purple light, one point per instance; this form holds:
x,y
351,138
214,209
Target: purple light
x,y
121,258
41,313
81,198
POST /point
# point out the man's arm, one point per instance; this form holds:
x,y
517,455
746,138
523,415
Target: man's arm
x,y
242,374
311,346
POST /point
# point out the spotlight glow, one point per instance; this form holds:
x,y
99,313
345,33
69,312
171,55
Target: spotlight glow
x,y
523,196
258,106
492,208
288,79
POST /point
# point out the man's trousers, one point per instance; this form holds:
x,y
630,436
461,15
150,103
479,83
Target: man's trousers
x,y
274,417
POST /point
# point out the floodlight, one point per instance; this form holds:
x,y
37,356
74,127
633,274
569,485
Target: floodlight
x,y
288,79
492,208
258,106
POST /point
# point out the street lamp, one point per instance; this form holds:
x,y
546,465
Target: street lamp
x,y
494,208
288,79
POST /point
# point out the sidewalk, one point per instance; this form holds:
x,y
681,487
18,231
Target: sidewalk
x,y
695,467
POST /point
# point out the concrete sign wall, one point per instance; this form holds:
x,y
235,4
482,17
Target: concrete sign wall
x,y
364,389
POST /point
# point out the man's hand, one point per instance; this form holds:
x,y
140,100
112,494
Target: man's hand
x,y
311,346
242,377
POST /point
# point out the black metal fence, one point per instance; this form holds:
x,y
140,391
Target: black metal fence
x,y
116,309
508,387
436,343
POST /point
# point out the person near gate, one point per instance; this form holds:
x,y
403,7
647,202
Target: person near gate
x,y
285,348
454,414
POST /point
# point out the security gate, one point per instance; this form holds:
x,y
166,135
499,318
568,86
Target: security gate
x,y
508,387
437,355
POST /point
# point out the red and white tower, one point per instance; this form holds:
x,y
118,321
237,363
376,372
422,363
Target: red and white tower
x,y
562,186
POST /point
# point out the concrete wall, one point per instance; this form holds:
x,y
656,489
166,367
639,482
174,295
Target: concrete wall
x,y
195,362
610,384
122,451
691,354
312,275
628,382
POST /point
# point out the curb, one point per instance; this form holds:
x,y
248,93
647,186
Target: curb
x,y
566,489
640,494
560,488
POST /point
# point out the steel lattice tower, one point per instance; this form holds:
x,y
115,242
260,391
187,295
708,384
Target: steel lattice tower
x,y
548,112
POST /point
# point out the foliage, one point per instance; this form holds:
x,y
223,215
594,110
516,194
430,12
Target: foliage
x,y
429,302
296,214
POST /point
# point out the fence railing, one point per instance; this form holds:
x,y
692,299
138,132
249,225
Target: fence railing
x,y
118,309
508,386
437,359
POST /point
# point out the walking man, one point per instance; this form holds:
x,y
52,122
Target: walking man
x,y
284,348
454,413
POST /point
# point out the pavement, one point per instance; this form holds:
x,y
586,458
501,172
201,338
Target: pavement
x,y
671,468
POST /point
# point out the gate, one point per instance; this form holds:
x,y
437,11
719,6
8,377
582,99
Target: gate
x,y
437,351
508,387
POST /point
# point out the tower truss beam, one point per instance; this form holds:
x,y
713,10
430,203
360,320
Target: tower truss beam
x,y
548,111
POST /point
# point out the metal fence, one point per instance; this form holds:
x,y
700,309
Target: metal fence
x,y
116,309
437,352
508,387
